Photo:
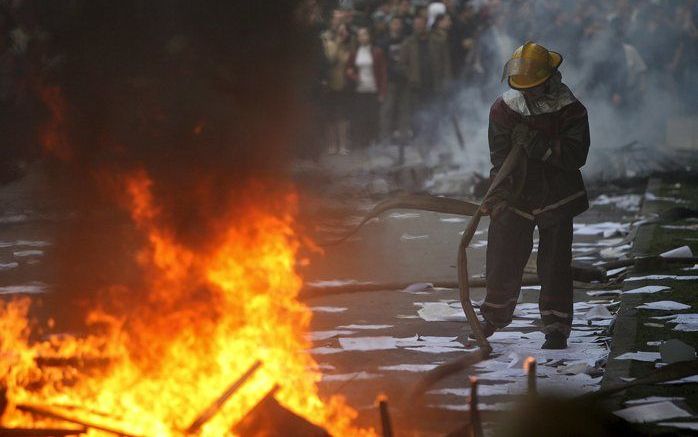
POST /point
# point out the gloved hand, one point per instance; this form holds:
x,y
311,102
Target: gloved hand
x,y
494,206
532,141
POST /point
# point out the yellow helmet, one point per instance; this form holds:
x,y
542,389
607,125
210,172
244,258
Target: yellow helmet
x,y
530,65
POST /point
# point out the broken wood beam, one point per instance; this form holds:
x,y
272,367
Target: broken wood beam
x,y
47,412
475,419
209,412
386,424
270,419
530,366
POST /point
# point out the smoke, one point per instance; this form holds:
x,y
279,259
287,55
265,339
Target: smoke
x,y
598,42
200,96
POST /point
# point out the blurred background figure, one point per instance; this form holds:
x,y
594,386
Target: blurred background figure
x,y
368,71
394,110
338,49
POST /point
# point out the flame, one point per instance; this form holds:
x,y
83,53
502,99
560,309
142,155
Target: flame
x,y
206,318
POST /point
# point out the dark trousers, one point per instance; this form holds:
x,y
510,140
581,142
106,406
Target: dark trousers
x,y
365,119
509,245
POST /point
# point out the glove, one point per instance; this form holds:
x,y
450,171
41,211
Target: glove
x,y
532,141
494,206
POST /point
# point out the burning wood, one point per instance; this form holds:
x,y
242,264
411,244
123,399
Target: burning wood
x,y
218,403
386,424
40,432
269,419
47,412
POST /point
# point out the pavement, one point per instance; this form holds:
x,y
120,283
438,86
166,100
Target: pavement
x,y
381,343
660,325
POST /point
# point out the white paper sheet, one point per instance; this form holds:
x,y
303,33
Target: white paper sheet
x,y
594,293
679,252
30,288
419,288
26,253
652,399
355,376
408,237
648,289
598,312
326,309
367,343
662,277
408,368
404,215
681,425
665,305
639,356
652,412
440,312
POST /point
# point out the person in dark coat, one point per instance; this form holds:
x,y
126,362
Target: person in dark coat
x,y
541,115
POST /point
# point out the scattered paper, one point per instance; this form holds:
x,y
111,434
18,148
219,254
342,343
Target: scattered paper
x,y
687,380
681,425
419,288
664,305
404,215
349,376
435,349
598,312
497,406
26,253
679,252
640,356
440,312
406,237
321,309
8,266
673,351
651,412
324,350
614,272
31,288
652,399
367,343
661,277
628,202
594,293
453,220
648,289
686,327
409,367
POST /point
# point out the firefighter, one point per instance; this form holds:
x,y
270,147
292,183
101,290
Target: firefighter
x,y
542,116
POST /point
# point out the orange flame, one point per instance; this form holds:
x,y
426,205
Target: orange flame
x,y
206,318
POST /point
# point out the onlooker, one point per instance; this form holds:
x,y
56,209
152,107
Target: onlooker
x,y
394,110
367,69
338,49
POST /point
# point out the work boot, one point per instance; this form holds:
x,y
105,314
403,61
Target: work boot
x,y
555,340
487,330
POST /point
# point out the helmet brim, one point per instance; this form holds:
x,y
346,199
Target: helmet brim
x,y
522,82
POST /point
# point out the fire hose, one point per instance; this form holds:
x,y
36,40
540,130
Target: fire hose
x,y
451,206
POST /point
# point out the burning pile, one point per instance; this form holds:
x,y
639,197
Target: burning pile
x,y
165,110
204,320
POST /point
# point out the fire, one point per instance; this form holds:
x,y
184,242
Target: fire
x,y
207,316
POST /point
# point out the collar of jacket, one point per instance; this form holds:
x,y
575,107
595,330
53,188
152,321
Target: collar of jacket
x,y
558,97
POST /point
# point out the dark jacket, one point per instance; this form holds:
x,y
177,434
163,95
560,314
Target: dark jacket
x,y
439,61
544,191
380,69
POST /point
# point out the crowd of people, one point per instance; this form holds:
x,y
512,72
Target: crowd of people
x,y
389,67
